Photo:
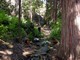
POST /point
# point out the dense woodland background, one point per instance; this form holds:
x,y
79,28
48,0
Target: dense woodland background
x,y
42,25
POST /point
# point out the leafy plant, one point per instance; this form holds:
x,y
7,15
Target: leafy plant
x,y
56,30
37,33
9,27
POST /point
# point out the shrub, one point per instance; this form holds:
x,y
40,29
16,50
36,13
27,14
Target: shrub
x,y
9,27
56,30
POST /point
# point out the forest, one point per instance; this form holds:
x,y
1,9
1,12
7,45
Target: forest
x,y
39,29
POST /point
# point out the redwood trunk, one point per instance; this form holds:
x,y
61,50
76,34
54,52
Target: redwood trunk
x,y
70,43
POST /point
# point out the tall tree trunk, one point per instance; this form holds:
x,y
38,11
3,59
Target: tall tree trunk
x,y
19,21
53,10
70,42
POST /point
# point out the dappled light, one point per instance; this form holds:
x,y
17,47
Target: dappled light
x,y
39,29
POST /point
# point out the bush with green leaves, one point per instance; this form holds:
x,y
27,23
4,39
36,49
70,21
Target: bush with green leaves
x,y
56,30
9,27
31,30
34,33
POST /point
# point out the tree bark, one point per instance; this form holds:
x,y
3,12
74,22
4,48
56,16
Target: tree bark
x,y
54,10
70,42
19,21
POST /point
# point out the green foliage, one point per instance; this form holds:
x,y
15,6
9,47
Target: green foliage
x,y
31,31
5,6
29,27
3,32
31,6
56,30
9,27
3,17
31,36
37,33
35,4
34,33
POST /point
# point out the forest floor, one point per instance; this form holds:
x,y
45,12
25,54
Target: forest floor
x,y
19,51
46,31
23,51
